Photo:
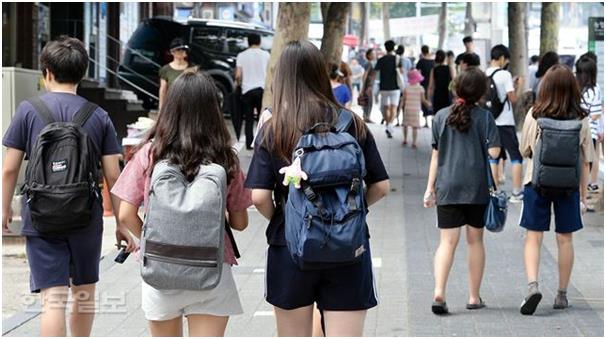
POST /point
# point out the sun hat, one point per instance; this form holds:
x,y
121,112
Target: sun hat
x,y
414,77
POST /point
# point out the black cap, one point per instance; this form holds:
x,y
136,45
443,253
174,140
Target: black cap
x,y
178,43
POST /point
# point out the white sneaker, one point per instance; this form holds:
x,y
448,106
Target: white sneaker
x,y
516,198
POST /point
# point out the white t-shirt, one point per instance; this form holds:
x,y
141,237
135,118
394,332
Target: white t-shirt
x,y
504,84
253,62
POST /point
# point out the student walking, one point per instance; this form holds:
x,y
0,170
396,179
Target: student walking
x,y
303,101
425,65
368,80
439,81
387,67
414,98
469,49
508,91
586,73
63,230
547,60
558,114
339,89
190,132
457,183
251,67
170,71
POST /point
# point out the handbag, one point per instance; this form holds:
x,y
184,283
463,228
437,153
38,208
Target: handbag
x,y
496,211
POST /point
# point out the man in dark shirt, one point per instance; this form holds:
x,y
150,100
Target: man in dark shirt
x,y
469,48
387,66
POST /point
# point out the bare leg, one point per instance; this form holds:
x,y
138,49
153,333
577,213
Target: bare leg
x,y
449,238
475,259
204,325
52,319
405,133
344,323
167,328
83,310
565,258
516,177
414,136
294,323
532,254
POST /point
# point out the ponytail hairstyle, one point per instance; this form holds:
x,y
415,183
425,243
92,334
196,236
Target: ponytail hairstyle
x,y
470,87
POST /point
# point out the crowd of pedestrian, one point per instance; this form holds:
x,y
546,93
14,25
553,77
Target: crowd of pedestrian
x,y
315,169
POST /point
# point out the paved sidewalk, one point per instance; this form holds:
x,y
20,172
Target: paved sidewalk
x,y
403,241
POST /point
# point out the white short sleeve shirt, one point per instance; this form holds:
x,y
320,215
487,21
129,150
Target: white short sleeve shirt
x,y
504,84
253,62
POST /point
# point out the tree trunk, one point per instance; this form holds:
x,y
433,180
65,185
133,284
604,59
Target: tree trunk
x,y
386,31
442,26
516,18
334,30
364,11
550,26
292,24
470,24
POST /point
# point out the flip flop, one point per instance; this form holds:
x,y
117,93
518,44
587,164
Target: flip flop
x,y
478,306
439,308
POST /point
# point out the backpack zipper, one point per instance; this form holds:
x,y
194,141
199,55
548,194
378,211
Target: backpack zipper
x,y
186,262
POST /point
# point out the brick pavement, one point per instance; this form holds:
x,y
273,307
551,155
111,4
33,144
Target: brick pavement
x,y
403,240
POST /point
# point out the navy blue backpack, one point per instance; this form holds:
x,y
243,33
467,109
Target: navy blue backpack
x,y
326,217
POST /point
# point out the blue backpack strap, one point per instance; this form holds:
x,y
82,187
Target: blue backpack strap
x,y
345,120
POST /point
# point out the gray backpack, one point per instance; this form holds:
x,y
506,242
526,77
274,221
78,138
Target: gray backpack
x,y
182,241
557,160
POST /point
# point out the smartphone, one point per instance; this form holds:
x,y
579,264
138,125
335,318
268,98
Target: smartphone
x,y
122,255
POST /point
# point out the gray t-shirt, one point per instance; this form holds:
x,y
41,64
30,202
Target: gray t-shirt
x,y
462,159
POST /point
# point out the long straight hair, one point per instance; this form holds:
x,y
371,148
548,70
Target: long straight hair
x,y
559,96
190,130
302,97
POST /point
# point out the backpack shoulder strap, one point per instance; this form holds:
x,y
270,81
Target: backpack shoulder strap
x,y
84,113
495,72
42,110
345,120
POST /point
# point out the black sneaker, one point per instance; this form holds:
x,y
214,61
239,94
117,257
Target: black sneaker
x,y
388,134
561,302
530,303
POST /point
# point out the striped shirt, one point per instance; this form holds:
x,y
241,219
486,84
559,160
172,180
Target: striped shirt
x,y
592,102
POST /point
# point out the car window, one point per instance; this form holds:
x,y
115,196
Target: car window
x,y
237,40
208,38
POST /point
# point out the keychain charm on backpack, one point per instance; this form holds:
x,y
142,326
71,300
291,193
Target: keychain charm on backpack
x,y
293,173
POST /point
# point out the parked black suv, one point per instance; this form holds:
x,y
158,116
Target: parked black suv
x,y
214,45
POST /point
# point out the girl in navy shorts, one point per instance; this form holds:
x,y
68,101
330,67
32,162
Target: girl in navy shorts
x,y
458,184
302,97
558,98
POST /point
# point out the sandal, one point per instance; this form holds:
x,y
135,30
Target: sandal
x,y
439,308
478,306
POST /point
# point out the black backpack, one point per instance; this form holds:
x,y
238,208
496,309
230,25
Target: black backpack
x,y
557,157
492,102
61,176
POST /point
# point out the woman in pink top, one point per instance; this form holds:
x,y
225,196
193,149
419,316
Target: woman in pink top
x,y
414,96
190,130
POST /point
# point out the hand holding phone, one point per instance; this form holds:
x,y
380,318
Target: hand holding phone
x,y
122,255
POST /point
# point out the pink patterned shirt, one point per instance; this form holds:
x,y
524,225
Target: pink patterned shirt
x,y
134,183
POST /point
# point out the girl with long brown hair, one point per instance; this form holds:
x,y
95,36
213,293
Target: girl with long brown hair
x,y
558,98
302,98
458,185
190,132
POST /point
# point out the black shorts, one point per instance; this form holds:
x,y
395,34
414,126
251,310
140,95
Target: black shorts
x,y
453,216
509,143
348,288
54,260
